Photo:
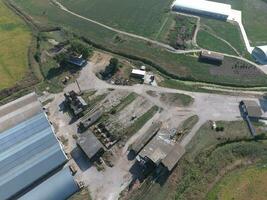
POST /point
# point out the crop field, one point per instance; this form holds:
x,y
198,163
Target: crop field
x,y
177,66
139,16
15,39
254,18
245,184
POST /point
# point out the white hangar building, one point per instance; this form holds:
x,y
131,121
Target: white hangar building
x,y
260,54
203,7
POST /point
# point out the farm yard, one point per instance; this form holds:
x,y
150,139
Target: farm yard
x,y
178,66
15,39
202,168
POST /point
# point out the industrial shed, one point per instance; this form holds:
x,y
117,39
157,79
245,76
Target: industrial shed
x,y
161,150
58,187
29,149
213,57
137,146
260,54
203,7
90,145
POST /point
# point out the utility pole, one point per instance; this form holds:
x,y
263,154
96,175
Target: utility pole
x,y
78,87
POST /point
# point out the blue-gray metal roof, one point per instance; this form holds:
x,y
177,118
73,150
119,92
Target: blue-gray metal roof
x,y
58,187
28,151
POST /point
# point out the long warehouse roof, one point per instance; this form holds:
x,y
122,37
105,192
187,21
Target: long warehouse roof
x,y
203,6
28,151
58,187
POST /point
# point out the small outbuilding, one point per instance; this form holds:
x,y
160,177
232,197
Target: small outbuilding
x,y
251,108
208,56
137,73
90,145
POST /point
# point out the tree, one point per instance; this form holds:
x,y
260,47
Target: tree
x,y
79,47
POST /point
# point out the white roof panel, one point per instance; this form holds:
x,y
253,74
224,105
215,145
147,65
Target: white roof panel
x,y
203,6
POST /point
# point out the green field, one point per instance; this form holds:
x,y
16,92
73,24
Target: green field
x,y
245,184
254,15
184,67
138,16
15,39
207,41
224,30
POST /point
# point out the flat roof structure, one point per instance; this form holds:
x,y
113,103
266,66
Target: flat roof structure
x,y
58,187
147,136
29,149
173,157
158,148
203,7
138,72
252,108
211,56
90,144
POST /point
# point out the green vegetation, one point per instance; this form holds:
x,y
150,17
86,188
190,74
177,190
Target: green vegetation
x,y
251,10
141,121
176,99
140,17
111,69
183,67
187,126
227,31
123,103
244,184
210,42
180,32
92,100
15,43
210,156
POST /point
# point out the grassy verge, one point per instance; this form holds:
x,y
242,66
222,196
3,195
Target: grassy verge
x,y
176,99
141,121
123,103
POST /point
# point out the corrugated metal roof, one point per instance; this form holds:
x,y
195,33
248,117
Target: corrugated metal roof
x,y
28,151
203,6
58,187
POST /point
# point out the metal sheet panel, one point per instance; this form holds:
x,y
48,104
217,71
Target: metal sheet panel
x,y
58,187
28,151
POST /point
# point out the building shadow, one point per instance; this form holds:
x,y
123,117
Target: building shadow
x,y
131,155
263,104
81,159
